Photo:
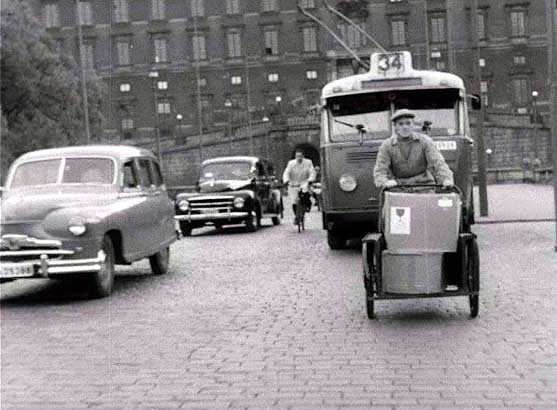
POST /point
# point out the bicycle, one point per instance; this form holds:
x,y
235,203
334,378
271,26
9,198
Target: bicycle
x,y
303,199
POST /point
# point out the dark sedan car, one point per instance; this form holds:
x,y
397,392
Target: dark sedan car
x,y
76,212
231,190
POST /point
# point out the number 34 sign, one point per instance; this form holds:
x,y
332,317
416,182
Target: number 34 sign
x,y
390,63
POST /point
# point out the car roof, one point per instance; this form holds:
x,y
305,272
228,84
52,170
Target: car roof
x,y
120,152
237,158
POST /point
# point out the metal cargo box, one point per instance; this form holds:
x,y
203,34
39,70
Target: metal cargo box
x,y
421,222
413,273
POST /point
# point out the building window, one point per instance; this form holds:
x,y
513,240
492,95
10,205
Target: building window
x,y
162,85
121,11
481,18
309,35
351,35
307,4
518,23
232,6
197,8
438,34
398,32
271,42
202,82
519,60
311,75
273,77
239,111
51,15
88,56
236,80
520,91
123,48
85,13
440,65
59,46
125,87
234,43
199,50
157,9
269,5
163,107
161,55
127,123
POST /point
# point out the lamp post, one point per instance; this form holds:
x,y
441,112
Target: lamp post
x,y
265,120
179,118
228,105
535,122
155,75
278,100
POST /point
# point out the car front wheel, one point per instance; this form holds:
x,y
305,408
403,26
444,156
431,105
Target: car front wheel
x,y
103,280
185,228
159,261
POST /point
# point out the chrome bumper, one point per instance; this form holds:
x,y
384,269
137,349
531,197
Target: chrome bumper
x,y
45,266
212,217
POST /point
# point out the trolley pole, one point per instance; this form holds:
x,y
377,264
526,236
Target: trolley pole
x,y
482,178
552,82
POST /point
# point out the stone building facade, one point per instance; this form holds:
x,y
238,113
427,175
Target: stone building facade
x,y
189,67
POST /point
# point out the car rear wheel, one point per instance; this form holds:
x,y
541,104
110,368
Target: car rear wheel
x,y
159,261
276,220
335,240
102,282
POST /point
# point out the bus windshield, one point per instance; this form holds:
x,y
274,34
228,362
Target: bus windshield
x,y
347,113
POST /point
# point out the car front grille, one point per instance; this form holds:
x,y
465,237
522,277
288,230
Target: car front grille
x,y
25,249
216,204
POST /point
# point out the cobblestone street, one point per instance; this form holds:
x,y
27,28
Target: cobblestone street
x,y
276,320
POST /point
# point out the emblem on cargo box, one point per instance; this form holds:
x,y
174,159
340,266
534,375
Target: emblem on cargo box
x,y
400,220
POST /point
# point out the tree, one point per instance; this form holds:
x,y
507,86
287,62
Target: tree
x,y
41,102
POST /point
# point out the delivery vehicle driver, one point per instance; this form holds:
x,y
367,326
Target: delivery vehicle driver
x,y
408,157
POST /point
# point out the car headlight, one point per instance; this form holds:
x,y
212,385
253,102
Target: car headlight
x,y
347,182
239,202
77,227
183,205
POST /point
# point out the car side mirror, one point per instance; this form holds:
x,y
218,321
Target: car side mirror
x,y
476,102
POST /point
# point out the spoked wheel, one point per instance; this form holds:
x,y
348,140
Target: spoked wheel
x,y
300,216
474,276
370,303
103,280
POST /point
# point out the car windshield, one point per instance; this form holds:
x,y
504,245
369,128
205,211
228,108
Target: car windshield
x,y
373,110
76,171
226,171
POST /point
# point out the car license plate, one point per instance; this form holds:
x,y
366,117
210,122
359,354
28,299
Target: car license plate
x,y
445,145
210,211
16,270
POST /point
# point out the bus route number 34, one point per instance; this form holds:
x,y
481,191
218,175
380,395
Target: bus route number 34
x,y
389,63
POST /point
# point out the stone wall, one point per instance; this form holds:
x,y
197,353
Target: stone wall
x,y
509,146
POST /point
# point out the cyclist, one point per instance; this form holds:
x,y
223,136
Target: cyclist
x,y
409,158
299,173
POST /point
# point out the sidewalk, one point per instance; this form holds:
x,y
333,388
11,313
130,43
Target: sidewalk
x,y
516,203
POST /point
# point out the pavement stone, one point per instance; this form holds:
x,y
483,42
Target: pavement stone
x,y
275,320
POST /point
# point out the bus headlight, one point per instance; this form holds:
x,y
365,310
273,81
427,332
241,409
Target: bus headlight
x,y
347,182
183,205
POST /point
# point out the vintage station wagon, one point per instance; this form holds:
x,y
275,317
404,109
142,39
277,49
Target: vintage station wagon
x,y
76,212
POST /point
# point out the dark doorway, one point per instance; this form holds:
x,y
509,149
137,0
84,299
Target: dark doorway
x,y
309,152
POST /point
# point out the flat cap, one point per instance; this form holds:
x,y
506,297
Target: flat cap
x,y
402,113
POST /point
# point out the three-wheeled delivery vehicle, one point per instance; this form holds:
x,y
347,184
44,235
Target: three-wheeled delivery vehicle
x,y
422,249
